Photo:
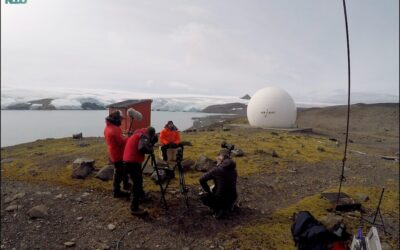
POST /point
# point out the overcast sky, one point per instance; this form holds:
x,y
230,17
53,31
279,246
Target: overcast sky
x,y
202,47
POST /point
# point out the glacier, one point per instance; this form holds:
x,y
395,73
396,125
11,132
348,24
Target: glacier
x,y
72,99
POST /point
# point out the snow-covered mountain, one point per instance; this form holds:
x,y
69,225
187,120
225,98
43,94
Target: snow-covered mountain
x,y
17,98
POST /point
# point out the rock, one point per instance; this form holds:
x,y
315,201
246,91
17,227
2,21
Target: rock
x,y
148,170
77,136
188,165
8,199
204,164
59,196
331,219
111,227
7,160
83,144
362,197
13,208
274,154
385,246
103,246
69,244
296,152
85,194
19,165
33,172
321,149
226,129
38,212
79,218
82,167
186,143
15,197
333,139
274,133
185,248
161,174
351,141
237,152
106,173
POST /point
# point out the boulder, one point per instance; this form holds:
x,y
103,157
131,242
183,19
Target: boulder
x,y
12,208
106,173
38,212
69,244
148,170
362,197
188,165
204,164
237,152
77,136
186,143
111,227
82,167
161,173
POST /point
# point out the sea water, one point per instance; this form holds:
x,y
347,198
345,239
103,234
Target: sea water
x,y
20,126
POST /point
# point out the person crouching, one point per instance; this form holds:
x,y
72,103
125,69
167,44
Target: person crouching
x,y
139,144
222,197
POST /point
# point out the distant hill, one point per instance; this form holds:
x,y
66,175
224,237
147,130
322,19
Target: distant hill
x,y
380,119
229,108
246,97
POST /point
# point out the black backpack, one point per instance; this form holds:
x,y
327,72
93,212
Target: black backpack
x,y
308,233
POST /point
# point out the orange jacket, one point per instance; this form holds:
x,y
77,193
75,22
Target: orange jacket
x,y
168,136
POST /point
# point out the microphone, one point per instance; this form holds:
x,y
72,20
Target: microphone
x,y
134,114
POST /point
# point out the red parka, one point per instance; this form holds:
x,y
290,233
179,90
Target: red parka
x,y
168,136
115,141
131,152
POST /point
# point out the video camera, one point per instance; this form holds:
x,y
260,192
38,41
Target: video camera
x,y
228,146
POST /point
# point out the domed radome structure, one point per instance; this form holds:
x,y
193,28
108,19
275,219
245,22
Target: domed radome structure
x,y
271,107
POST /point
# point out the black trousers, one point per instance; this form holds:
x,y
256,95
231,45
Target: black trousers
x,y
134,171
120,175
167,146
216,203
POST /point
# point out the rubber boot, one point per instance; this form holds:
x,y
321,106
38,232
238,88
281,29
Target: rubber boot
x,y
118,177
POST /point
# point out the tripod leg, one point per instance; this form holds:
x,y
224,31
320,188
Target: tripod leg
x,y
383,223
162,200
182,185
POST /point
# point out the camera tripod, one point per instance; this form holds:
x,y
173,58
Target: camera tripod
x,y
163,188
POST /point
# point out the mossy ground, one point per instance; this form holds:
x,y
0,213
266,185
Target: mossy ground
x,y
51,160
274,232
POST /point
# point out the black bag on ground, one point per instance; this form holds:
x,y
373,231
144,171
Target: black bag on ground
x,y
308,233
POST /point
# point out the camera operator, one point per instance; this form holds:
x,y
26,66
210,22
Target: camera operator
x,y
224,175
169,138
115,145
140,143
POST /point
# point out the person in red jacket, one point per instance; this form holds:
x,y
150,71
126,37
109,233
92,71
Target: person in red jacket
x,y
140,143
115,144
169,138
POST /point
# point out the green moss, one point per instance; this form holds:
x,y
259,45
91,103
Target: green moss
x,y
274,232
51,160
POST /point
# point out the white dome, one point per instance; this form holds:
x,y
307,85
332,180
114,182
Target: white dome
x,y
271,108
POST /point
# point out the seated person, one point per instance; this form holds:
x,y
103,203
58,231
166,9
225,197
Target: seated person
x,y
169,138
222,197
